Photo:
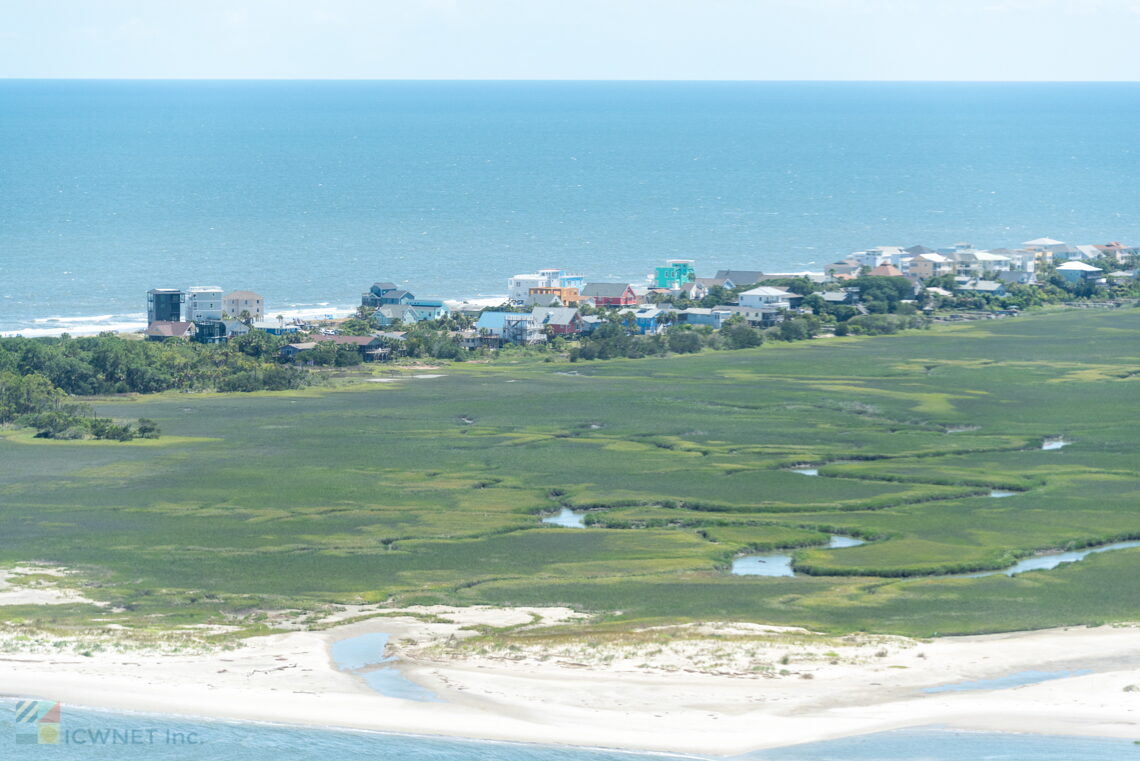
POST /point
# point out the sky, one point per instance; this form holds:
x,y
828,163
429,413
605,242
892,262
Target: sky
x,y
1004,40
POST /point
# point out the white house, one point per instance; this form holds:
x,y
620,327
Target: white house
x,y
518,287
203,302
768,297
978,263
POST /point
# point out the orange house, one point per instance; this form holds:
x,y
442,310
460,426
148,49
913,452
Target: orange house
x,y
568,296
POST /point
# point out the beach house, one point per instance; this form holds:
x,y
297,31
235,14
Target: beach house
x,y
1078,271
610,294
238,304
519,286
374,295
674,274
164,305
769,297
558,321
496,328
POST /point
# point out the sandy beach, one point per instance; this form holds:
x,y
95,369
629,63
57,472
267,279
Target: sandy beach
x,y
681,689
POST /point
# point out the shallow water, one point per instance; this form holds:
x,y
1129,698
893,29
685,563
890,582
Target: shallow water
x,y
88,735
211,740
1046,562
999,493
566,517
1019,679
1057,444
780,564
806,471
950,745
364,657
763,565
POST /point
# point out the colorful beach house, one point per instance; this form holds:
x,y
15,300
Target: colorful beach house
x,y
373,297
496,328
610,294
674,274
520,286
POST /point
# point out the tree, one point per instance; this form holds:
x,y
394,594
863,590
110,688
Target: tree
x,y
147,428
683,341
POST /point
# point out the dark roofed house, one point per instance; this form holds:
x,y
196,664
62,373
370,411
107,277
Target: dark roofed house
x,y
374,295
558,321
398,296
290,351
161,330
712,282
610,294
741,277
840,297
366,345
984,286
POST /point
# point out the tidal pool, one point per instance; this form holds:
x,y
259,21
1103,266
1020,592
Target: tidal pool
x,y
363,656
1005,682
566,517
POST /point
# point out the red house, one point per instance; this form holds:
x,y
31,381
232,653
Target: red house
x,y
558,321
610,294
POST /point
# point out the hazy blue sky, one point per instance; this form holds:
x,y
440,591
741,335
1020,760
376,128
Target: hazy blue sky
x,y
573,39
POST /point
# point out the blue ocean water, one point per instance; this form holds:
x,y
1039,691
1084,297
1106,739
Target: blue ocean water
x,y
307,192
93,735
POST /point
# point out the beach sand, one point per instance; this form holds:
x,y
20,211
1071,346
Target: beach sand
x,y
635,699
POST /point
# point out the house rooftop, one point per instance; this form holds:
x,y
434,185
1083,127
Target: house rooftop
x,y
767,290
554,315
741,277
605,290
353,340
169,329
1077,267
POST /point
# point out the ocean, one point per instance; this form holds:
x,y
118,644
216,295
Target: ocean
x,y
307,192
96,735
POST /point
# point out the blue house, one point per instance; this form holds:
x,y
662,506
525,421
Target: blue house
x,y
652,320
397,297
700,316
428,309
374,295
494,328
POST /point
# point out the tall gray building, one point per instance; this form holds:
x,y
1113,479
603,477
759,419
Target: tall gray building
x,y
164,305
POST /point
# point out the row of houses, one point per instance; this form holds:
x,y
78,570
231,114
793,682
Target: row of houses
x,y
206,314
762,306
1000,264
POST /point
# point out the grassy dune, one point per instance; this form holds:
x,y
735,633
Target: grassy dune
x,y
431,489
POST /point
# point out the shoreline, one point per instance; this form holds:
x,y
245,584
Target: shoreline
x,y
127,323
290,679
